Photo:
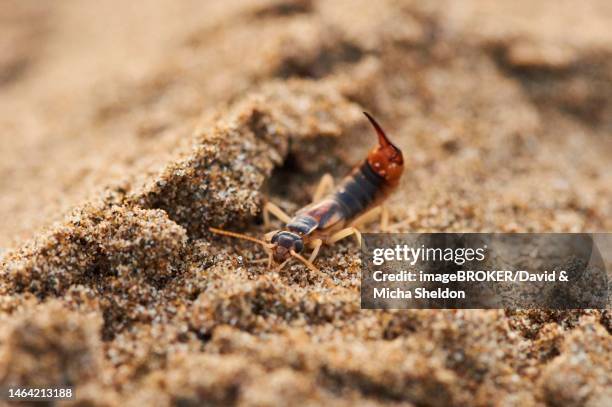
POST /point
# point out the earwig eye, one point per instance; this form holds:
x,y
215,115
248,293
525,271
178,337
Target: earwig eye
x,y
299,246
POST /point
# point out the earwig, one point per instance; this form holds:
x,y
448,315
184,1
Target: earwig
x,y
333,217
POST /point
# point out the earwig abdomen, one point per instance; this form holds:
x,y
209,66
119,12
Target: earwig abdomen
x,y
365,187
359,191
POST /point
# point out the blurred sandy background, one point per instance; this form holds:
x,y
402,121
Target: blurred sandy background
x,y
129,128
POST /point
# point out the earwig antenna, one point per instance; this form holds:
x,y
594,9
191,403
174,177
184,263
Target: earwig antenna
x,y
280,266
306,262
258,261
311,266
383,140
239,236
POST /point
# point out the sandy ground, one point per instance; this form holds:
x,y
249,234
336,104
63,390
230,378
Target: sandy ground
x,y
128,130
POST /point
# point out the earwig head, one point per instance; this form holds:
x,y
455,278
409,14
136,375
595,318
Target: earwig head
x,y
280,245
284,242
386,159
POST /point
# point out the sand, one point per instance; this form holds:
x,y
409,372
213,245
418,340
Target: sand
x,y
129,130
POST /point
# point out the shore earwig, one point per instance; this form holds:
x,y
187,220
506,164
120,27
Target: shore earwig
x,y
333,217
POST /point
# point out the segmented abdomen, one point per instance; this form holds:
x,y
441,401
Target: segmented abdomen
x,y
358,192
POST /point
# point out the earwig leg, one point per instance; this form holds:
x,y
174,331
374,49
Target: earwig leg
x,y
316,244
326,184
270,208
367,217
344,233
384,218
380,211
